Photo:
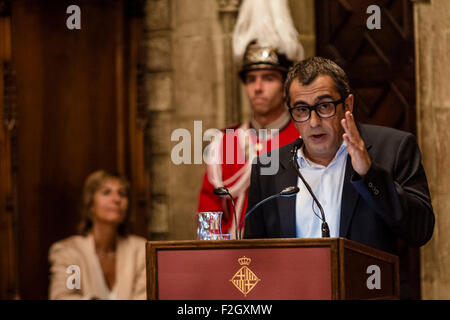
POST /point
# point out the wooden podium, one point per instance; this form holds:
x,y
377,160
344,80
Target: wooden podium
x,y
270,269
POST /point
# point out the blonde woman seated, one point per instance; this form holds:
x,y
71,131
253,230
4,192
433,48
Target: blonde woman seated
x,y
111,262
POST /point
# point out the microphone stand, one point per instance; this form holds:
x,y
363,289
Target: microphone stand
x,y
286,192
234,215
325,228
221,192
254,208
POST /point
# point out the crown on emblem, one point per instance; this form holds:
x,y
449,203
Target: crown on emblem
x,y
244,261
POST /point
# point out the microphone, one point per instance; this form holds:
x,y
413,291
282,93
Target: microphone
x,y
222,192
298,145
289,191
286,192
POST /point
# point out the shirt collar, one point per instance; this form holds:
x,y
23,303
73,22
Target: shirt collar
x,y
303,161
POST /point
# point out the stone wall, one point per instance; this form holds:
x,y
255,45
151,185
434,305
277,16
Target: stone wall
x,y
432,41
185,83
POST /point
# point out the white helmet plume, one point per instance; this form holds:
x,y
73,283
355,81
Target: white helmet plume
x,y
269,22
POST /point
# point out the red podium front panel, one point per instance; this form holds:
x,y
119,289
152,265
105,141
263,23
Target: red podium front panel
x,y
277,273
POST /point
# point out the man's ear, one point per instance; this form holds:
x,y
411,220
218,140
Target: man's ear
x,y
349,103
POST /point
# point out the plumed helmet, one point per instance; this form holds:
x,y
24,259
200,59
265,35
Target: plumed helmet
x,y
257,57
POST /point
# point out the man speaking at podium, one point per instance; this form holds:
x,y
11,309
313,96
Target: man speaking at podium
x,y
368,179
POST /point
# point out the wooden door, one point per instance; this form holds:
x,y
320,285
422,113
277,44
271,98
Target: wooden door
x,y
380,66
77,111
8,168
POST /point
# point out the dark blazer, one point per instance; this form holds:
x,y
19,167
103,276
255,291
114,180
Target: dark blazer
x,y
392,200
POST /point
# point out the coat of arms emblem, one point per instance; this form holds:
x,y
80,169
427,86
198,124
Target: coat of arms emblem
x,y
244,279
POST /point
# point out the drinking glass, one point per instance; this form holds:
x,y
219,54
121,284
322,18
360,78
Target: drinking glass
x,y
209,225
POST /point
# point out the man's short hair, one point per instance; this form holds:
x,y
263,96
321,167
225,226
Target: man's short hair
x,y
306,71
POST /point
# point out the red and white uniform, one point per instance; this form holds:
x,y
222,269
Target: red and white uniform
x,y
234,171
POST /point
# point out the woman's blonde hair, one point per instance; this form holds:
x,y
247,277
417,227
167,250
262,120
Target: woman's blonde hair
x,y
91,185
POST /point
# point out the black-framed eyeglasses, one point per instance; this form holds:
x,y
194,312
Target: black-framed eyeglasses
x,y
302,113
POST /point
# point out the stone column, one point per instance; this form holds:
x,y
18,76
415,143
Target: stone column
x,y
432,42
228,10
303,15
185,87
159,80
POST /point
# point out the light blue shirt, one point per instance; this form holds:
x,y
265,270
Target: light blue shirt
x,y
326,183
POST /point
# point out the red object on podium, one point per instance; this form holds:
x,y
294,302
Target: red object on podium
x,y
269,269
